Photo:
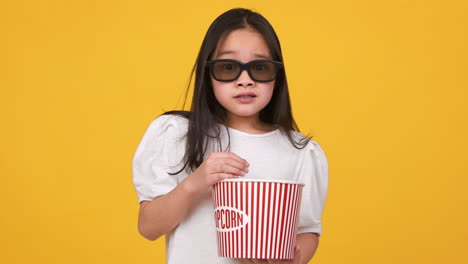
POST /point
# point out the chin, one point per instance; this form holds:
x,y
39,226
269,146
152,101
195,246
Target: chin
x,y
245,114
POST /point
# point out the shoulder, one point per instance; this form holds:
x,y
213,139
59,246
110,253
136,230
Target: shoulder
x,y
312,146
318,156
170,120
169,124
313,158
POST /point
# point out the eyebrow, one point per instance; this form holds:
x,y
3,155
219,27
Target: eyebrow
x,y
224,52
260,56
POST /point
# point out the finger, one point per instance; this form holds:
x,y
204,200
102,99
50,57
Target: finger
x,y
223,176
297,254
232,170
296,249
230,166
273,261
237,164
233,156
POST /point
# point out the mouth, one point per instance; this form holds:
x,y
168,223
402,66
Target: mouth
x,y
246,95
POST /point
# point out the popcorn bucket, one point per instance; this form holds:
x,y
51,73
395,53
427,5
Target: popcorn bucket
x,y
256,218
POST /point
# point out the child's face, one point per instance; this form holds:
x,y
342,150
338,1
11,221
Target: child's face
x,y
243,45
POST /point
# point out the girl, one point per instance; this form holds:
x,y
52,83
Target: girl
x,y
240,125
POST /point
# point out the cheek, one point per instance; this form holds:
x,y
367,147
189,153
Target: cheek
x,y
268,89
267,92
215,86
219,91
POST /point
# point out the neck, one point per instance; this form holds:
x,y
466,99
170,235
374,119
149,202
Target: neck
x,y
251,124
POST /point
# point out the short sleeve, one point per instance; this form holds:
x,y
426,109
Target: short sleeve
x,y
159,152
315,176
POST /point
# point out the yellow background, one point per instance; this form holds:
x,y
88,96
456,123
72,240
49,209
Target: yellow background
x,y
382,86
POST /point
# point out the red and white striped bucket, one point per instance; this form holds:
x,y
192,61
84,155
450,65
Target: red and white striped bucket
x,y
256,218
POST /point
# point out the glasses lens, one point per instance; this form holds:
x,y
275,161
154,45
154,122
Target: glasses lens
x,y
226,70
263,70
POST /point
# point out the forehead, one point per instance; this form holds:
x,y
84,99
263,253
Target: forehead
x,y
242,43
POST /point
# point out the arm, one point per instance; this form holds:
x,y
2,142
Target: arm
x,y
158,217
312,205
308,244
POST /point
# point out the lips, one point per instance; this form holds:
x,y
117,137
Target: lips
x,y
248,95
245,98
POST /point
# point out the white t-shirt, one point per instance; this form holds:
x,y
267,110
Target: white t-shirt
x,y
270,155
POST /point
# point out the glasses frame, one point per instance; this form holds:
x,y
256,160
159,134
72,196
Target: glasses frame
x,y
243,66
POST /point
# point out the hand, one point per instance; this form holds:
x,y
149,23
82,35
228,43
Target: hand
x,y
296,260
218,166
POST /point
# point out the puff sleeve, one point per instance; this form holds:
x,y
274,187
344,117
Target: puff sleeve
x,y
315,176
160,151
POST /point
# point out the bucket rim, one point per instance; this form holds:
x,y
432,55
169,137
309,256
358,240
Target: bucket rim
x,y
263,180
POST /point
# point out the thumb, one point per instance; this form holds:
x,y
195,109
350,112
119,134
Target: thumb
x,y
297,254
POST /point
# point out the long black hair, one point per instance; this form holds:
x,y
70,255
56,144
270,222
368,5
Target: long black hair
x,y
206,112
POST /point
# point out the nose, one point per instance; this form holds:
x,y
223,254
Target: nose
x,y
244,79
